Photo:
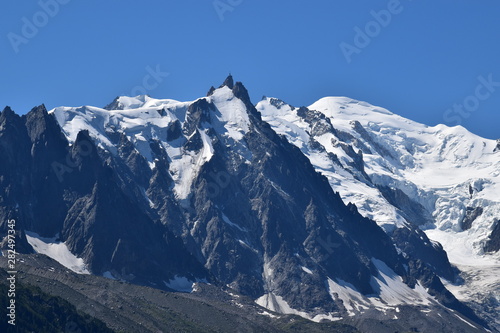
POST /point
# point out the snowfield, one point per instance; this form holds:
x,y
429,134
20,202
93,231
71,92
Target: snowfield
x,y
57,251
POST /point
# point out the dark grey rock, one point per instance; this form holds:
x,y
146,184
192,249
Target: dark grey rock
x,y
471,215
229,82
493,244
412,211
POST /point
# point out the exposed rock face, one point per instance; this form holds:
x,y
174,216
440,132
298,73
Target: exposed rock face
x,y
53,188
416,245
471,215
493,244
413,211
229,82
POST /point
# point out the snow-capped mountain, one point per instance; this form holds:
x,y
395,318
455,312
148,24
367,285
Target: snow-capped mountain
x,y
442,179
331,212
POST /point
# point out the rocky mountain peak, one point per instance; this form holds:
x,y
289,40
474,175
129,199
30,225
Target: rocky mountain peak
x,y
9,118
114,105
7,111
228,82
210,91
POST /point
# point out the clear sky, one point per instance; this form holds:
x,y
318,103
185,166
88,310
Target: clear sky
x,y
417,58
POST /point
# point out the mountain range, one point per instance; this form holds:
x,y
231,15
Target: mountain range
x,y
337,212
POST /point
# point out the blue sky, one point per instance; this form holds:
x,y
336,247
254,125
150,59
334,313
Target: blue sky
x,y
419,61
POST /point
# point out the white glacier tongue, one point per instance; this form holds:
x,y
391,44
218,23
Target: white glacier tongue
x,y
57,251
